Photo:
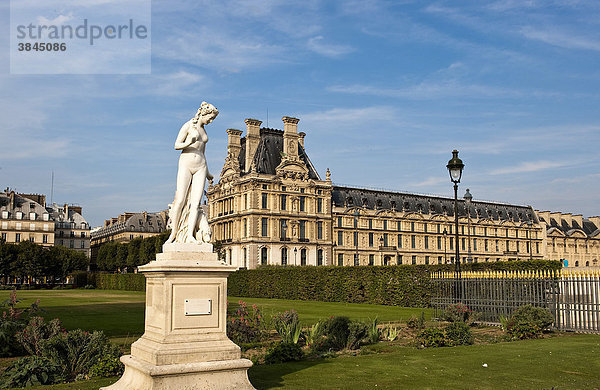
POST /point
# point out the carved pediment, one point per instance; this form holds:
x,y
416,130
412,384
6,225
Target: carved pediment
x,y
292,169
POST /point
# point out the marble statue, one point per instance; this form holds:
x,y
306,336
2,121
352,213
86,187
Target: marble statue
x,y
188,220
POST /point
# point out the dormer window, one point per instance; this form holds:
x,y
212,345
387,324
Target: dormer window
x,y
32,216
379,203
406,205
5,215
19,215
46,216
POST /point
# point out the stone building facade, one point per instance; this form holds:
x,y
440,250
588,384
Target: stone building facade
x,y
126,227
270,206
27,217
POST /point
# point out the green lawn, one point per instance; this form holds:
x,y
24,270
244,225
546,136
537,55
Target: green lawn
x,y
121,313
569,362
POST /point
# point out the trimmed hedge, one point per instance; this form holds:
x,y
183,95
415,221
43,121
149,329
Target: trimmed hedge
x,y
127,282
404,285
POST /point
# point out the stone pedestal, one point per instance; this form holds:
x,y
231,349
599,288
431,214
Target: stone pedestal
x,y
185,345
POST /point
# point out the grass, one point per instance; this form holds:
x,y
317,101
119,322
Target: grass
x,y
120,314
566,362
569,362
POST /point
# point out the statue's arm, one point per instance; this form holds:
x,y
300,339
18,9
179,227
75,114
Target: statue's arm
x,y
183,141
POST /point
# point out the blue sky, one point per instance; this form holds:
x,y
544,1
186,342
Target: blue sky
x,y
384,90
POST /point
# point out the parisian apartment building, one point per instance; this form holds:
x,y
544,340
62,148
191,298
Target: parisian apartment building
x,y
271,207
126,227
27,217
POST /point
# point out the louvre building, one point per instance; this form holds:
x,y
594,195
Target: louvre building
x,y
271,206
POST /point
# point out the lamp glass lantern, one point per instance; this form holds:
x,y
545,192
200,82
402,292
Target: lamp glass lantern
x,y
455,167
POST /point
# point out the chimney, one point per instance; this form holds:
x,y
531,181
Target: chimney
x,y
234,143
66,210
12,200
301,136
290,136
252,140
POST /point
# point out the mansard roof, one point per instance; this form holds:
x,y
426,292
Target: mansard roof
x,y
567,228
427,204
269,151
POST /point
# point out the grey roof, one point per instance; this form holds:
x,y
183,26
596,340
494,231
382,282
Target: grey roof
x,y
424,204
269,151
138,222
21,204
58,214
589,228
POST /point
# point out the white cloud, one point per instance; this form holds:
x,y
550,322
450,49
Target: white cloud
x,y
562,39
318,45
57,21
529,166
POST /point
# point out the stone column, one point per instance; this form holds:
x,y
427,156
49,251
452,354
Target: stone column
x,y
185,345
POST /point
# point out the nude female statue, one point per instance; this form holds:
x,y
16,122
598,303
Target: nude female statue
x,y
189,223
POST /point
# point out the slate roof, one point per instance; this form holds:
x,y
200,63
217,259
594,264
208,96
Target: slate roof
x,y
589,228
269,152
21,204
424,204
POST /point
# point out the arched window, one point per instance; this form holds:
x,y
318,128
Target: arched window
x,y
320,257
263,256
284,255
303,256
577,264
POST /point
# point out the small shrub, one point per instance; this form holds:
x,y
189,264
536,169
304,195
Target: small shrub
x,y
458,333
431,337
288,326
12,321
107,366
314,334
36,331
77,351
358,334
336,330
528,322
31,371
284,352
415,322
374,331
459,312
245,326
391,334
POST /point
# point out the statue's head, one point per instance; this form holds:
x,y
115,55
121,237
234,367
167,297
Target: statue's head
x,y
206,113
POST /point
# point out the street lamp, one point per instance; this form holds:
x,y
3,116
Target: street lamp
x,y
295,253
356,214
455,167
381,248
468,197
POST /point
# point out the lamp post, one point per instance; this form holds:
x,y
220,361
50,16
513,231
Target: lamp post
x,y
455,167
356,214
295,253
468,197
530,225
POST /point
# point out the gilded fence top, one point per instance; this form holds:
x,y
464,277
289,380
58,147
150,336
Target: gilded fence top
x,y
519,274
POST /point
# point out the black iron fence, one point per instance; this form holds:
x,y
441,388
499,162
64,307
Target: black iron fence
x,y
572,297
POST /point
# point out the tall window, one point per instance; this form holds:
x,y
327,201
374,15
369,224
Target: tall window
x,y
426,259
339,221
265,203
319,256
245,230
302,203
264,227
370,224
319,205
303,256
284,256
398,259
414,259
485,245
412,226
439,242
384,225
426,241
451,243
463,242
399,226
244,258
371,259
385,239
474,244
246,201
283,228
263,256
302,229
283,201
45,239
18,237
371,239
319,230
340,259
399,240
413,241
340,238
355,238
425,227
4,237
